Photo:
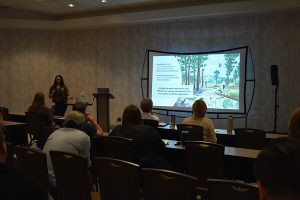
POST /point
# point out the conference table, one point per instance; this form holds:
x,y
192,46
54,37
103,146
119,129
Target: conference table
x,y
16,132
239,162
224,138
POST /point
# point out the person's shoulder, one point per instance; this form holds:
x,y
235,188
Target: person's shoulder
x,y
187,120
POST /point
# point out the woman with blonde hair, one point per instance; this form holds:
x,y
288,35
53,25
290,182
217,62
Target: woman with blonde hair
x,y
198,118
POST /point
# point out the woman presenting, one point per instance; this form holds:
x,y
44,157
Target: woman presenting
x,y
59,95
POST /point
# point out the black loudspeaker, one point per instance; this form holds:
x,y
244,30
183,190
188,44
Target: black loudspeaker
x,y
274,75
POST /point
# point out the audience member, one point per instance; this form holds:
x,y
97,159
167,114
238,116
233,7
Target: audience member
x,y
277,170
59,94
14,185
146,141
90,127
294,124
69,139
199,111
146,106
38,106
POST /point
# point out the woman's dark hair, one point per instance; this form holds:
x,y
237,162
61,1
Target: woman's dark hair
x,y
62,83
132,116
38,100
277,167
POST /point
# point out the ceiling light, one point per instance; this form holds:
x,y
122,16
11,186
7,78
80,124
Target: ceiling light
x,y
103,1
71,5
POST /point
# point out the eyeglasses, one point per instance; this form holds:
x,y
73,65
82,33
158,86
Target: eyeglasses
x,y
58,79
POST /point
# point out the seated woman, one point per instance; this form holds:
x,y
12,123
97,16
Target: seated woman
x,y
38,106
146,141
199,110
90,127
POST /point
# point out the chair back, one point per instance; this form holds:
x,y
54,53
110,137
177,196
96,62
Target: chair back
x,y
161,184
10,154
118,179
205,160
195,132
151,122
118,148
35,128
33,163
4,113
72,176
227,189
250,138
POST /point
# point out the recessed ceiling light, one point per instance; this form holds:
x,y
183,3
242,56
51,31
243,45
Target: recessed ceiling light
x,y
71,5
103,1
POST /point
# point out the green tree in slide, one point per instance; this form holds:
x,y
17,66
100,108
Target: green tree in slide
x,y
230,64
217,73
185,63
200,62
236,73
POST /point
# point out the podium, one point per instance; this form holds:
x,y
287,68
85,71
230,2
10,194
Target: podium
x,y
102,101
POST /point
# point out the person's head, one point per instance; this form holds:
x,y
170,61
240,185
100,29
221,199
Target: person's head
x,y
59,80
199,108
146,105
294,124
132,116
3,151
277,170
74,119
38,100
79,106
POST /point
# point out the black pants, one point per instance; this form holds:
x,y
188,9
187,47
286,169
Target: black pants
x,y
60,108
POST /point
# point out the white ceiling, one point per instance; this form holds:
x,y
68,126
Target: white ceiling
x,y
56,14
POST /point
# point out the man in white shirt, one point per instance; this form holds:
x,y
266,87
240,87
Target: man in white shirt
x,y
146,106
69,139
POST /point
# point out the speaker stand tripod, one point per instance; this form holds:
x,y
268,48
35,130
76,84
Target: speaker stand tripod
x,y
275,109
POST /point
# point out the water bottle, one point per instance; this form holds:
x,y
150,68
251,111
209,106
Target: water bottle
x,y
173,121
229,124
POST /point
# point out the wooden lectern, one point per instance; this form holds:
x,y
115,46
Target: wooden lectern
x,y
102,98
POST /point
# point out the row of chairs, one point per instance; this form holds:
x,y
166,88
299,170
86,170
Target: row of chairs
x,y
204,160
120,179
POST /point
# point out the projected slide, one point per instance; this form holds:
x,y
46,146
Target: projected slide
x,y
177,80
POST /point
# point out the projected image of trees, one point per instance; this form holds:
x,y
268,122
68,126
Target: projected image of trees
x,y
215,79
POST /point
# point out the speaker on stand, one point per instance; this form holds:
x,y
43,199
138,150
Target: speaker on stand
x,y
275,81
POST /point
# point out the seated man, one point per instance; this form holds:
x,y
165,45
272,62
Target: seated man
x,y
146,141
90,127
69,139
146,106
277,170
13,185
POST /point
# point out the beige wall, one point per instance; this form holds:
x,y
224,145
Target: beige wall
x,y
113,57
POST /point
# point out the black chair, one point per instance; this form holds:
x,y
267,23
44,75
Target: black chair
x,y
4,112
249,138
151,122
195,132
72,176
118,179
10,160
161,184
33,163
118,148
204,160
35,129
227,189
